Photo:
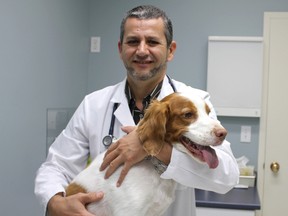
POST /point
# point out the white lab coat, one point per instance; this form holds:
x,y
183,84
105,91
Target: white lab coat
x,y
83,136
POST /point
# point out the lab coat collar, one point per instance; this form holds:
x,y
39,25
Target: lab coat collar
x,y
166,88
122,113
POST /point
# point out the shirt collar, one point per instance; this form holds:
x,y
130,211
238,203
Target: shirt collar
x,y
153,94
136,113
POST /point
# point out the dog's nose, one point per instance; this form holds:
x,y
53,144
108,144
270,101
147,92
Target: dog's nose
x,y
220,133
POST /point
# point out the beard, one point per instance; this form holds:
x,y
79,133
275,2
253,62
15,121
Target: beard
x,y
145,76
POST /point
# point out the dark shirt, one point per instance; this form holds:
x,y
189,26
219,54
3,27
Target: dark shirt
x,y
135,112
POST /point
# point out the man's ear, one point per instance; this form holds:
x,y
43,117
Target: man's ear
x,y
171,50
120,48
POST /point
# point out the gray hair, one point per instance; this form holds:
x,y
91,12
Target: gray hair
x,y
149,12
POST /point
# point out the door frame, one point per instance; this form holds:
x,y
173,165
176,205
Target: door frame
x,y
263,119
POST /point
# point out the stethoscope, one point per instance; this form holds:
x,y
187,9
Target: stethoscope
x,y
109,139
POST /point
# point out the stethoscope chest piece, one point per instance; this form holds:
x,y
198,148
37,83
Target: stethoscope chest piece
x,y
108,140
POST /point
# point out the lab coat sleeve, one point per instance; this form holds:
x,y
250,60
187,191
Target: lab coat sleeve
x,y
197,175
67,156
193,174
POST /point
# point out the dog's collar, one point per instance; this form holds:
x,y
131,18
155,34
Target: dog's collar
x,y
159,166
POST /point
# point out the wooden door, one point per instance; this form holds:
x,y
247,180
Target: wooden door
x,y
273,148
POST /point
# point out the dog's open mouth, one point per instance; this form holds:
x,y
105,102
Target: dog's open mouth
x,y
203,153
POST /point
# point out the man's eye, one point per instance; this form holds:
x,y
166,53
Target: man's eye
x,y
153,43
132,42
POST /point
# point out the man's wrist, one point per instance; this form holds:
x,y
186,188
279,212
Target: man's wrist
x,y
165,154
161,160
159,166
53,200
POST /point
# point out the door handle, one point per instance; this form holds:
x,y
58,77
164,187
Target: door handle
x,y
275,167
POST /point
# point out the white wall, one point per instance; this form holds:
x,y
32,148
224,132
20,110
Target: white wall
x,y
43,64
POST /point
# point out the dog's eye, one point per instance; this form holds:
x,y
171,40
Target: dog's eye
x,y
188,115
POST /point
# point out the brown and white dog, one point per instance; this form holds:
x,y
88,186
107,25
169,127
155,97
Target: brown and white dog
x,y
179,119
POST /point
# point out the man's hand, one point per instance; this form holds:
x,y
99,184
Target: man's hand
x,y
72,205
128,151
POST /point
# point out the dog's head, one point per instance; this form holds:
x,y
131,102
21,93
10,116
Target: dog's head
x,y
182,120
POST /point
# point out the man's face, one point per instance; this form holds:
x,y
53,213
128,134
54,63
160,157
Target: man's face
x,y
144,49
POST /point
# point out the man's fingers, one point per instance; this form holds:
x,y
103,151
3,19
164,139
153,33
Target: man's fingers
x,y
128,129
111,148
113,166
108,158
123,174
91,197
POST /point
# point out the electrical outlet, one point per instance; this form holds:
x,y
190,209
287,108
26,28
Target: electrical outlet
x,y
95,44
245,136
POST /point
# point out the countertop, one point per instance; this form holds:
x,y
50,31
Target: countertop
x,y
237,198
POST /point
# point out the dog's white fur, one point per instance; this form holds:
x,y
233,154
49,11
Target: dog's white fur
x,y
143,192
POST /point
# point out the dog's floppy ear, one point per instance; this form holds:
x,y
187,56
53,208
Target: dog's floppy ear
x,y
151,129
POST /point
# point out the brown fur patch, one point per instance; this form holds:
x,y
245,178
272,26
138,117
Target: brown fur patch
x,y
207,109
74,188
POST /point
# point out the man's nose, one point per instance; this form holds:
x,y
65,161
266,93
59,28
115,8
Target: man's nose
x,y
142,49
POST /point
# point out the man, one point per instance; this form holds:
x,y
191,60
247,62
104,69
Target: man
x,y
146,45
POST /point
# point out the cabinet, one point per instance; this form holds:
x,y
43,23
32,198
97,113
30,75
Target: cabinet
x,y
237,202
234,75
200,211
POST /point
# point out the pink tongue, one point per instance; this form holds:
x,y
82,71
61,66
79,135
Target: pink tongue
x,y
210,157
